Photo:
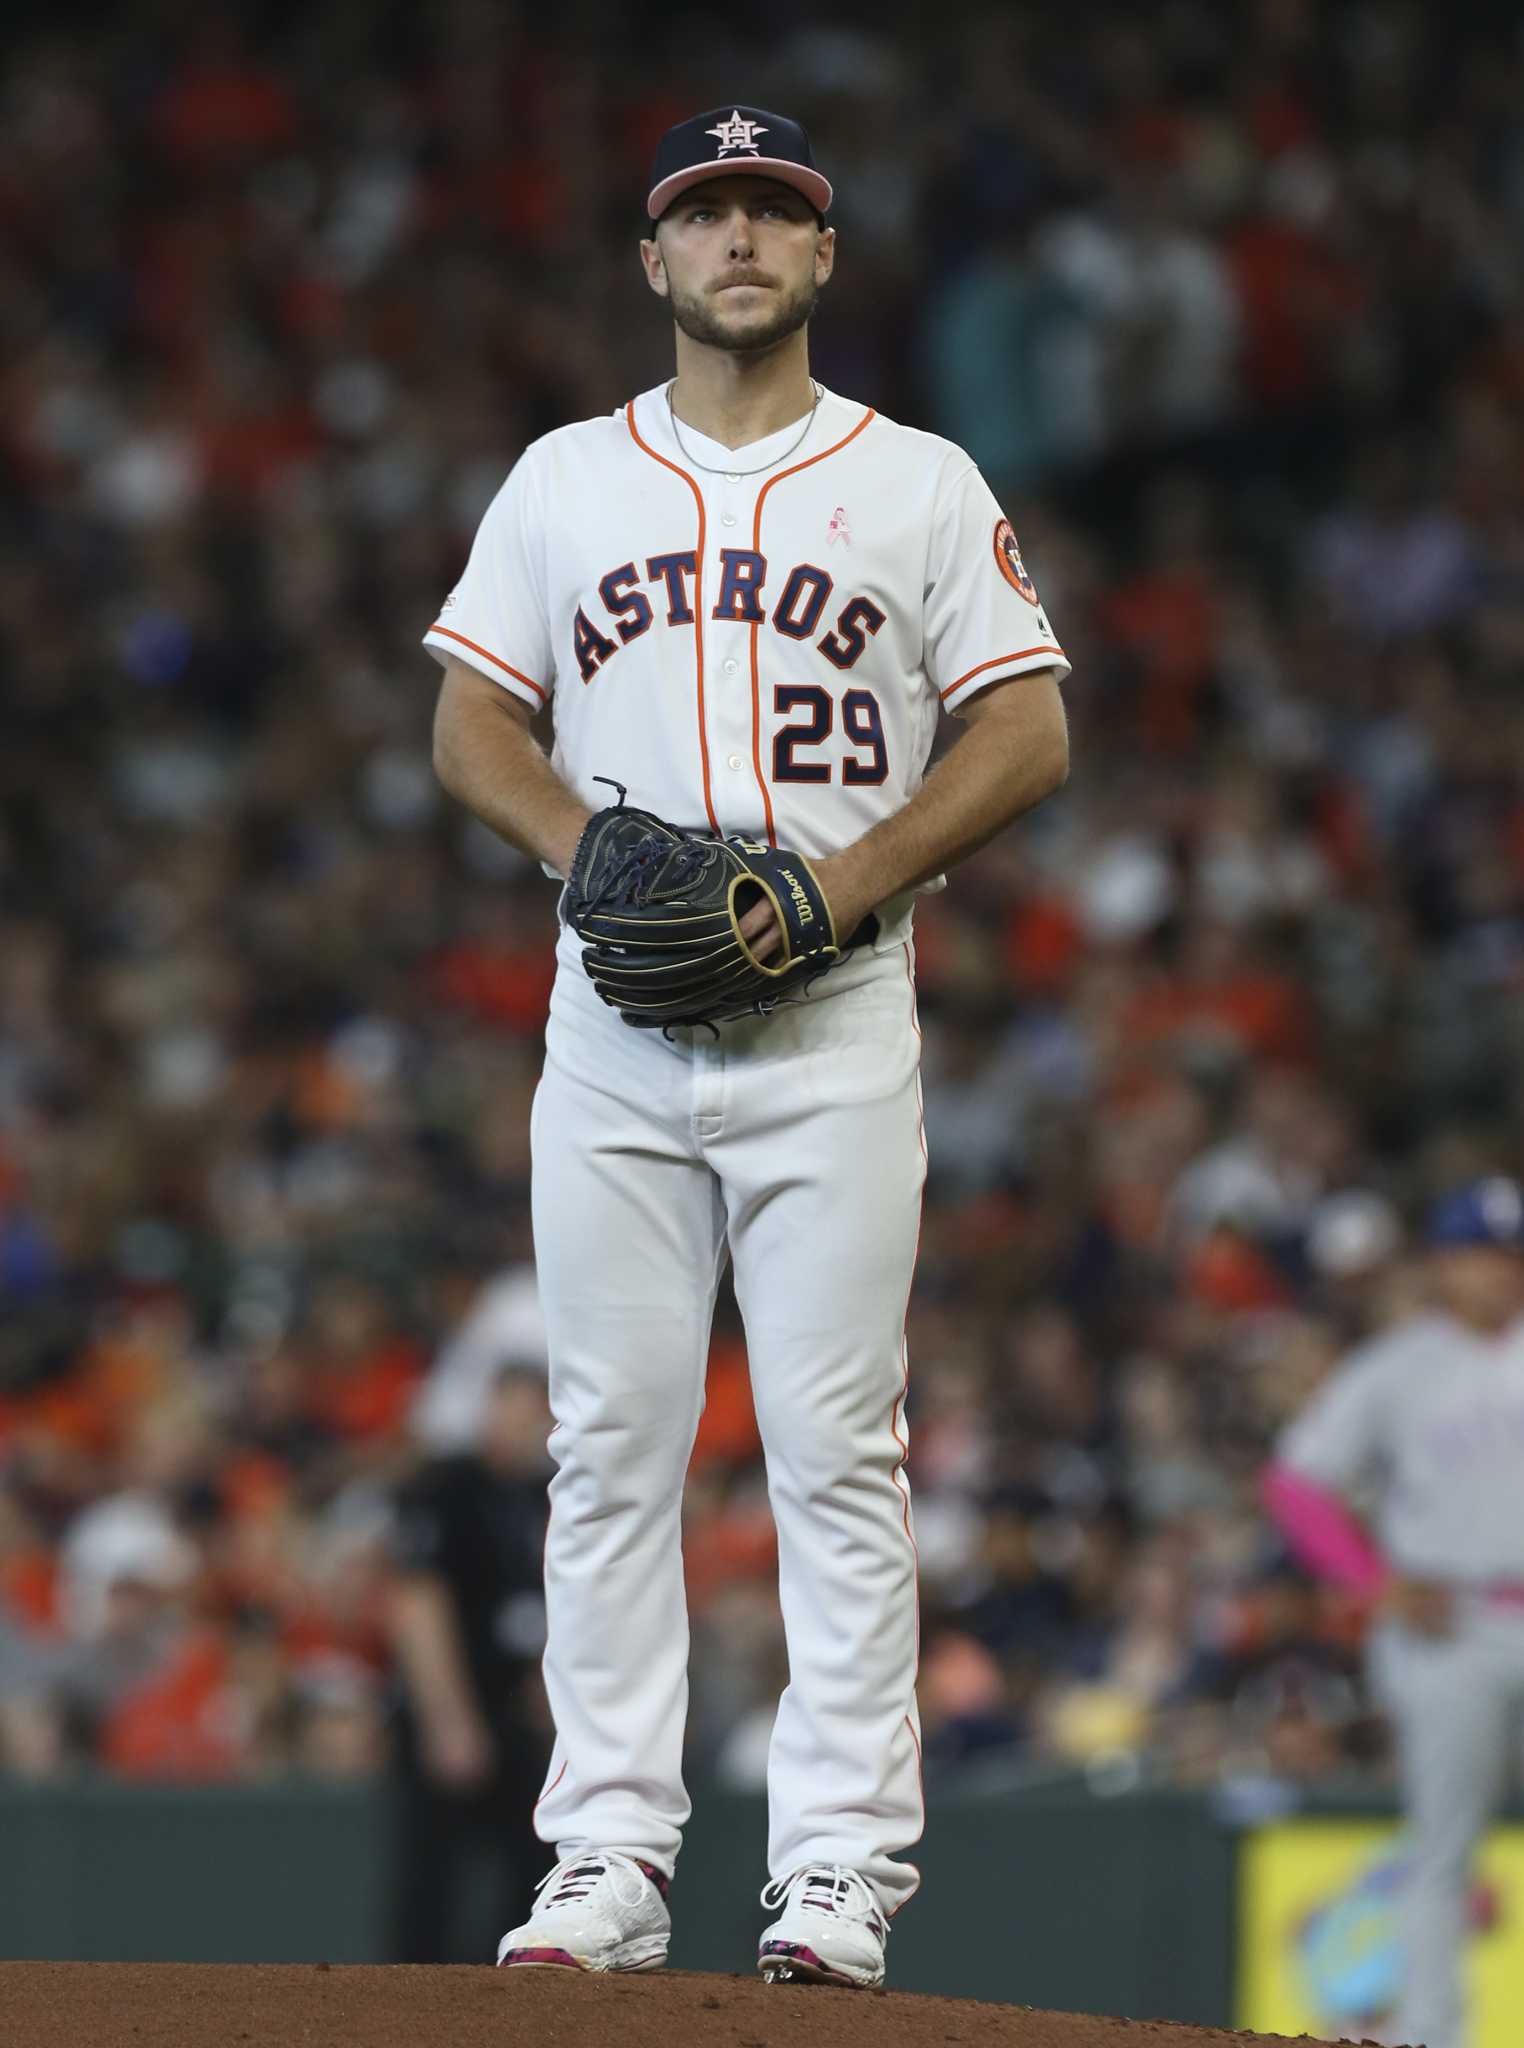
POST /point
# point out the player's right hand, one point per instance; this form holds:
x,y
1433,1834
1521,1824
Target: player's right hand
x,y
1424,1606
761,930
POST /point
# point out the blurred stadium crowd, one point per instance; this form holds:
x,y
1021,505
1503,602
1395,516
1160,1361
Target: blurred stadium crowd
x,y
1231,310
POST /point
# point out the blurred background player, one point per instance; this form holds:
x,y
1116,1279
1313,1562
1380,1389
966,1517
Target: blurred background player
x,y
468,1627
1422,1430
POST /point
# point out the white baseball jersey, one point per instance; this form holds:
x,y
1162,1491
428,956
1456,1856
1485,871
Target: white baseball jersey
x,y
1428,1421
761,654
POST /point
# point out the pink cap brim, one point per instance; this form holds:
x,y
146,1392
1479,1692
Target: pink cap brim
x,y
815,188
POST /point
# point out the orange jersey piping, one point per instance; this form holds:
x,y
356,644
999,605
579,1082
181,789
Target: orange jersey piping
x,y
999,658
698,603
529,683
756,544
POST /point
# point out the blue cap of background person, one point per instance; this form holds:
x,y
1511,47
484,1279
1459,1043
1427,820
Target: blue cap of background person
x,y
730,139
1483,1212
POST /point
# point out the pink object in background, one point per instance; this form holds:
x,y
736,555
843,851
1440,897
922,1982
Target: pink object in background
x,y
1321,1531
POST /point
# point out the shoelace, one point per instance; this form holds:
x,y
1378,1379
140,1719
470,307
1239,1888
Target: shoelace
x,y
649,858
575,1878
827,1888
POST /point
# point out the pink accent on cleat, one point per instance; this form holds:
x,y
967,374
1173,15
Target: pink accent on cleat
x,y
831,1929
793,1959
598,1911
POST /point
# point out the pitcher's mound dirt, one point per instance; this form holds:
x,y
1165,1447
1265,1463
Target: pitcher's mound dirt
x,y
309,2005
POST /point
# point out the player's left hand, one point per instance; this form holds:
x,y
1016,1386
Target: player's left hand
x,y
660,910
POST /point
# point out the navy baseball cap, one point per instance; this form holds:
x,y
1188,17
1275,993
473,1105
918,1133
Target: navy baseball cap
x,y
1483,1212
730,139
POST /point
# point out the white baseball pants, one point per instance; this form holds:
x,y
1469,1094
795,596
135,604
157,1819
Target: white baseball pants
x,y
1457,1708
795,1142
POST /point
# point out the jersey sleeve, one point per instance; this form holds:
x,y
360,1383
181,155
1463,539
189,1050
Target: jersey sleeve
x,y
984,619
1339,1439
495,617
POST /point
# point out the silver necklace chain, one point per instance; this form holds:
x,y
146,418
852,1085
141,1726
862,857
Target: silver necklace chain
x,y
709,468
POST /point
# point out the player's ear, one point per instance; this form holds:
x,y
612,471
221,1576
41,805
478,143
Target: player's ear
x,y
654,265
825,255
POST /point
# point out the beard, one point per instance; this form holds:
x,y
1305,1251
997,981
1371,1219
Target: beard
x,y
702,318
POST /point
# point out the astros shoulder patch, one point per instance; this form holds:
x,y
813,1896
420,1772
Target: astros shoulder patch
x,y
1008,561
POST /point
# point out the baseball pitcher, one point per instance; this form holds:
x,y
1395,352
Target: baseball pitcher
x,y
746,602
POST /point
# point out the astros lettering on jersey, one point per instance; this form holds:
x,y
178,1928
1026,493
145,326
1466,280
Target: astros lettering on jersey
x,y
758,654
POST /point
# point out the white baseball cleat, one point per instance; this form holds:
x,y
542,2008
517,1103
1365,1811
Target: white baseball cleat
x,y
599,1911
830,1931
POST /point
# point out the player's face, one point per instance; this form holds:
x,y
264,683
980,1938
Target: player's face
x,y
741,261
1481,1285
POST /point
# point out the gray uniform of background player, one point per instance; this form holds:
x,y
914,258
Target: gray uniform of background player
x,y
1423,1430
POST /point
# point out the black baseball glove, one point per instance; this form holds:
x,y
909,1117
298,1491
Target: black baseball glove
x,y
661,909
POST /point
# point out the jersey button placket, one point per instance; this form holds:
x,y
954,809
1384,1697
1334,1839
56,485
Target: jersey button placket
x,y
734,698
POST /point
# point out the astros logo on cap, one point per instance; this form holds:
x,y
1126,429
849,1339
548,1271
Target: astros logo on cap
x,y
738,133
